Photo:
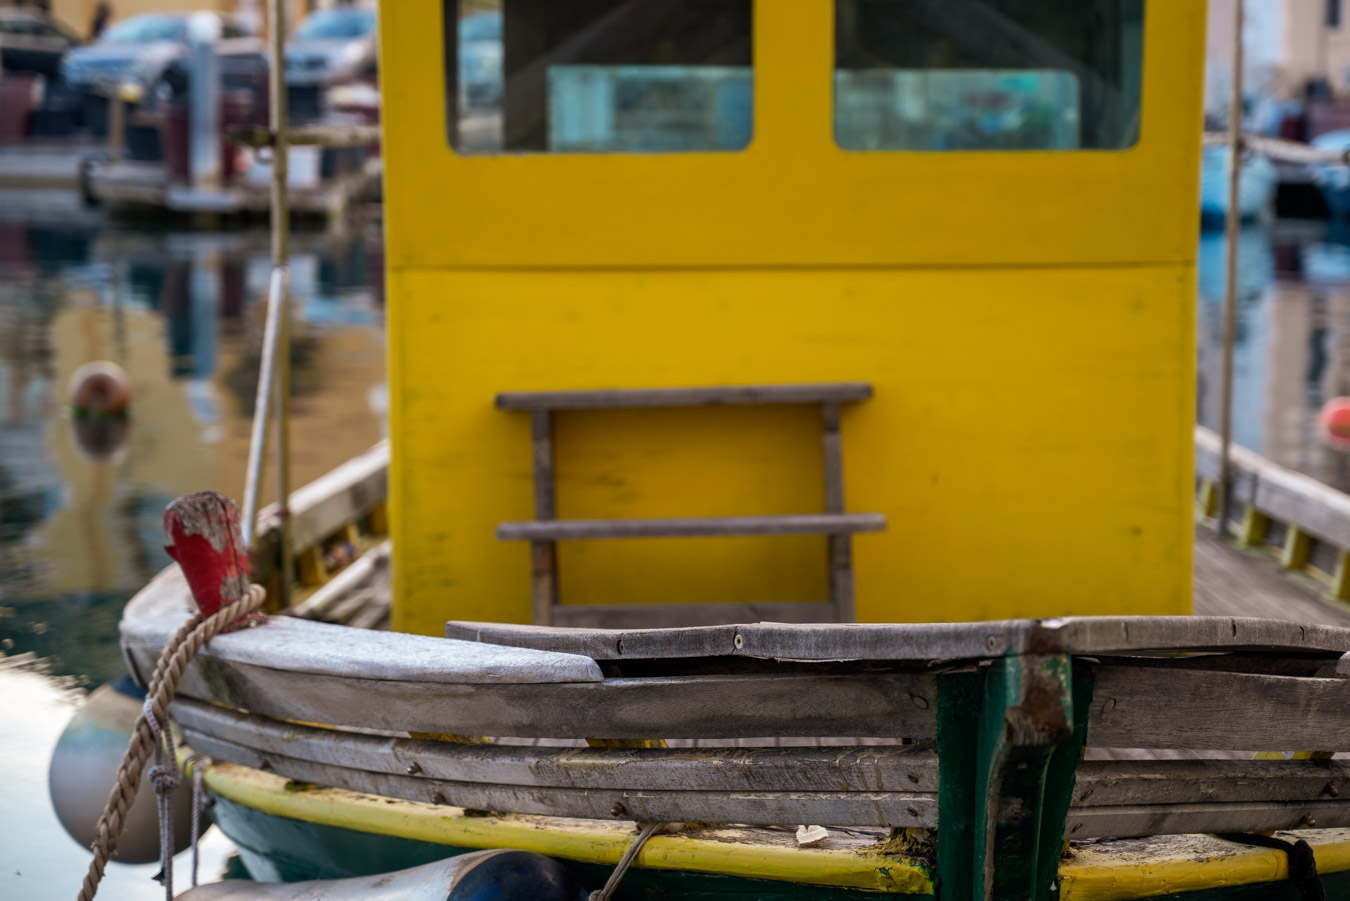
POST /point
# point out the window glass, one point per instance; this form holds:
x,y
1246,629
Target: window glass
x,y
598,76
987,74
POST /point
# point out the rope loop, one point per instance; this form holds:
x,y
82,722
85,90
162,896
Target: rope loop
x,y
150,737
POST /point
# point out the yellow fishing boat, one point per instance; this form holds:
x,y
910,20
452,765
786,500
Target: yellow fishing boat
x,y
791,447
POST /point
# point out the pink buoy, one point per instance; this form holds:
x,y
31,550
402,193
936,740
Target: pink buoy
x,y
1334,421
100,389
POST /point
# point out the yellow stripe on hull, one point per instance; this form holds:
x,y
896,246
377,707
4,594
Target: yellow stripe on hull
x,y
1177,864
580,840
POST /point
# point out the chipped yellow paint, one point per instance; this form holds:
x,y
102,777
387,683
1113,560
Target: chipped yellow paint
x,y
1188,864
588,841
1026,319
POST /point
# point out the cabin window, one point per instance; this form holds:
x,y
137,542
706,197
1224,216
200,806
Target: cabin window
x,y
987,74
598,76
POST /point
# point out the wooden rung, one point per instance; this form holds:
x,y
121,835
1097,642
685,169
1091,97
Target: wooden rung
x,y
792,524
814,393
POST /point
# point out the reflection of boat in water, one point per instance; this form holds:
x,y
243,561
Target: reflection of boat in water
x,y
1333,181
1256,186
657,349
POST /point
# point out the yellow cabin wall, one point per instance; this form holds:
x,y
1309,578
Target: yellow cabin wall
x,y
1026,320
1029,440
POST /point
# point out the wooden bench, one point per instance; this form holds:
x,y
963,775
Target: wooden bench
x,y
546,530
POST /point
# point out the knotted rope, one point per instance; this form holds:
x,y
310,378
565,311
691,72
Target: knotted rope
x,y
186,642
628,857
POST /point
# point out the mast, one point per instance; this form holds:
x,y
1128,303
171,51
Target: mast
x,y
1233,226
275,377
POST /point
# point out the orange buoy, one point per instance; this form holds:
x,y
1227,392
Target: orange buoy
x,y
1335,422
100,389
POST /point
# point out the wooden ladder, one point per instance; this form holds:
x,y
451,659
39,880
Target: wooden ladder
x,y
546,530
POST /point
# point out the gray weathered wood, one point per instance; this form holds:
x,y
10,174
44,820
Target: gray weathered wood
x,y
691,527
840,546
312,672
889,768
926,642
543,554
823,392
325,505
1173,819
1106,783
1145,707
289,646
837,808
1280,493
632,616
607,644
363,572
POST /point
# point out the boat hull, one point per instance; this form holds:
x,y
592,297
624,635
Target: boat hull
x,y
280,849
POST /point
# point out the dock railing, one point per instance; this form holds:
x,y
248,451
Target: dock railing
x,y
1303,522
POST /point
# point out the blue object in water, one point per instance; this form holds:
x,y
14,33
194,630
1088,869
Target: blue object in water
x,y
1256,185
1333,181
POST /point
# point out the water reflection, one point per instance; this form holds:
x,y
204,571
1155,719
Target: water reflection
x,y
80,501
1293,342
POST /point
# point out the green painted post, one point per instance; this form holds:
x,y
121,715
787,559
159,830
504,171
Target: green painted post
x,y
958,721
1059,779
1026,715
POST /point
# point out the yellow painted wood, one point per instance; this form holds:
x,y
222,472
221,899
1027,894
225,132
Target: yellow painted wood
x,y
1026,319
1101,873
792,198
1252,532
378,519
1207,505
1340,580
589,841
1297,548
309,566
997,422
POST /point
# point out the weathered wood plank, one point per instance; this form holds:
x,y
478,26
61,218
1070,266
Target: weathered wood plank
x,y
807,393
923,642
740,706
1105,783
679,616
691,527
607,644
889,768
1175,819
290,646
365,571
788,808
325,505
1145,707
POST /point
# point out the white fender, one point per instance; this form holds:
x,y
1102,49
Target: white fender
x,y
477,876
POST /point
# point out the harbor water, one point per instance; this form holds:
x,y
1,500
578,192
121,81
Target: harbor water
x,y
80,533
182,313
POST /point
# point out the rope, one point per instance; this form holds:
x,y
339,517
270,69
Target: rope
x,y
186,642
164,777
1302,864
628,857
197,763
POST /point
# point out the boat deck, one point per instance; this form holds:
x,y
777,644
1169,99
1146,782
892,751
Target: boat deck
x,y
1232,582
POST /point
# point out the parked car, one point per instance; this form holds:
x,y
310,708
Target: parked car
x,y
331,46
32,41
138,52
